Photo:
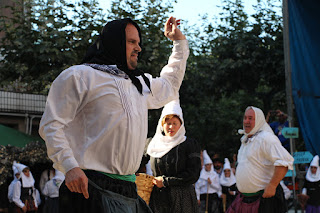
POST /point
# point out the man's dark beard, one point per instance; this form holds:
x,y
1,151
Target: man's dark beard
x,y
217,167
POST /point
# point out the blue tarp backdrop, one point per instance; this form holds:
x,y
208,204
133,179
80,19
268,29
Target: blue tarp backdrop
x,y
304,36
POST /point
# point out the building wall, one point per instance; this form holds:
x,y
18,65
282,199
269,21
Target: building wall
x,y
23,123
22,111
5,11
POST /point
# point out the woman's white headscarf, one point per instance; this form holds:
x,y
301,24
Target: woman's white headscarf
x,y
161,144
260,124
26,181
227,181
15,171
314,177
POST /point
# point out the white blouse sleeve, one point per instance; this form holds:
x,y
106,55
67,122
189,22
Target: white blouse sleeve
x,y
64,101
215,184
197,189
286,190
45,190
10,192
37,197
276,153
166,87
17,194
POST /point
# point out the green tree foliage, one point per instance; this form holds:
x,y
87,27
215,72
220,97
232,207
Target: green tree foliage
x,y
43,37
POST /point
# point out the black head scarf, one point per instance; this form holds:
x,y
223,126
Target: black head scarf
x,y
110,49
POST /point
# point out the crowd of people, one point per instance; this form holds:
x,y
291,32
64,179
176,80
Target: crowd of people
x,y
95,126
254,184
24,196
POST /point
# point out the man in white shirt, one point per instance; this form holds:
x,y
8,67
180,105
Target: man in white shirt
x,y
262,164
95,121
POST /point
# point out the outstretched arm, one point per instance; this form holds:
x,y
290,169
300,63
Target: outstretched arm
x,y
166,88
171,30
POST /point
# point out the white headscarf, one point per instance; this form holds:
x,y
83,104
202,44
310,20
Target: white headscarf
x,y
58,178
26,181
161,144
260,124
227,181
314,177
206,158
15,171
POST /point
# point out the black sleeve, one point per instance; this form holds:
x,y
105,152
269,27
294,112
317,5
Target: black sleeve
x,y
145,158
191,173
234,187
306,184
224,189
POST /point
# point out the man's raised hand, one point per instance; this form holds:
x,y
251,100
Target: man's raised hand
x,y
172,31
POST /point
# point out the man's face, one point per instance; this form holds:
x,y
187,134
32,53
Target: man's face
x,y
282,118
249,120
217,165
132,46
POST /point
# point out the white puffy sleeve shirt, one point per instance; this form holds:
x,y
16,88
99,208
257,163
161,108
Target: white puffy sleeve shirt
x,y
98,121
10,190
257,160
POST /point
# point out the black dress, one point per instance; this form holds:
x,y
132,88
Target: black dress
x,y
230,198
27,198
313,191
180,169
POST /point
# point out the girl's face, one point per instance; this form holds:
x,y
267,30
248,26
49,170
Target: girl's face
x,y
26,172
313,169
227,172
171,126
17,175
207,167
